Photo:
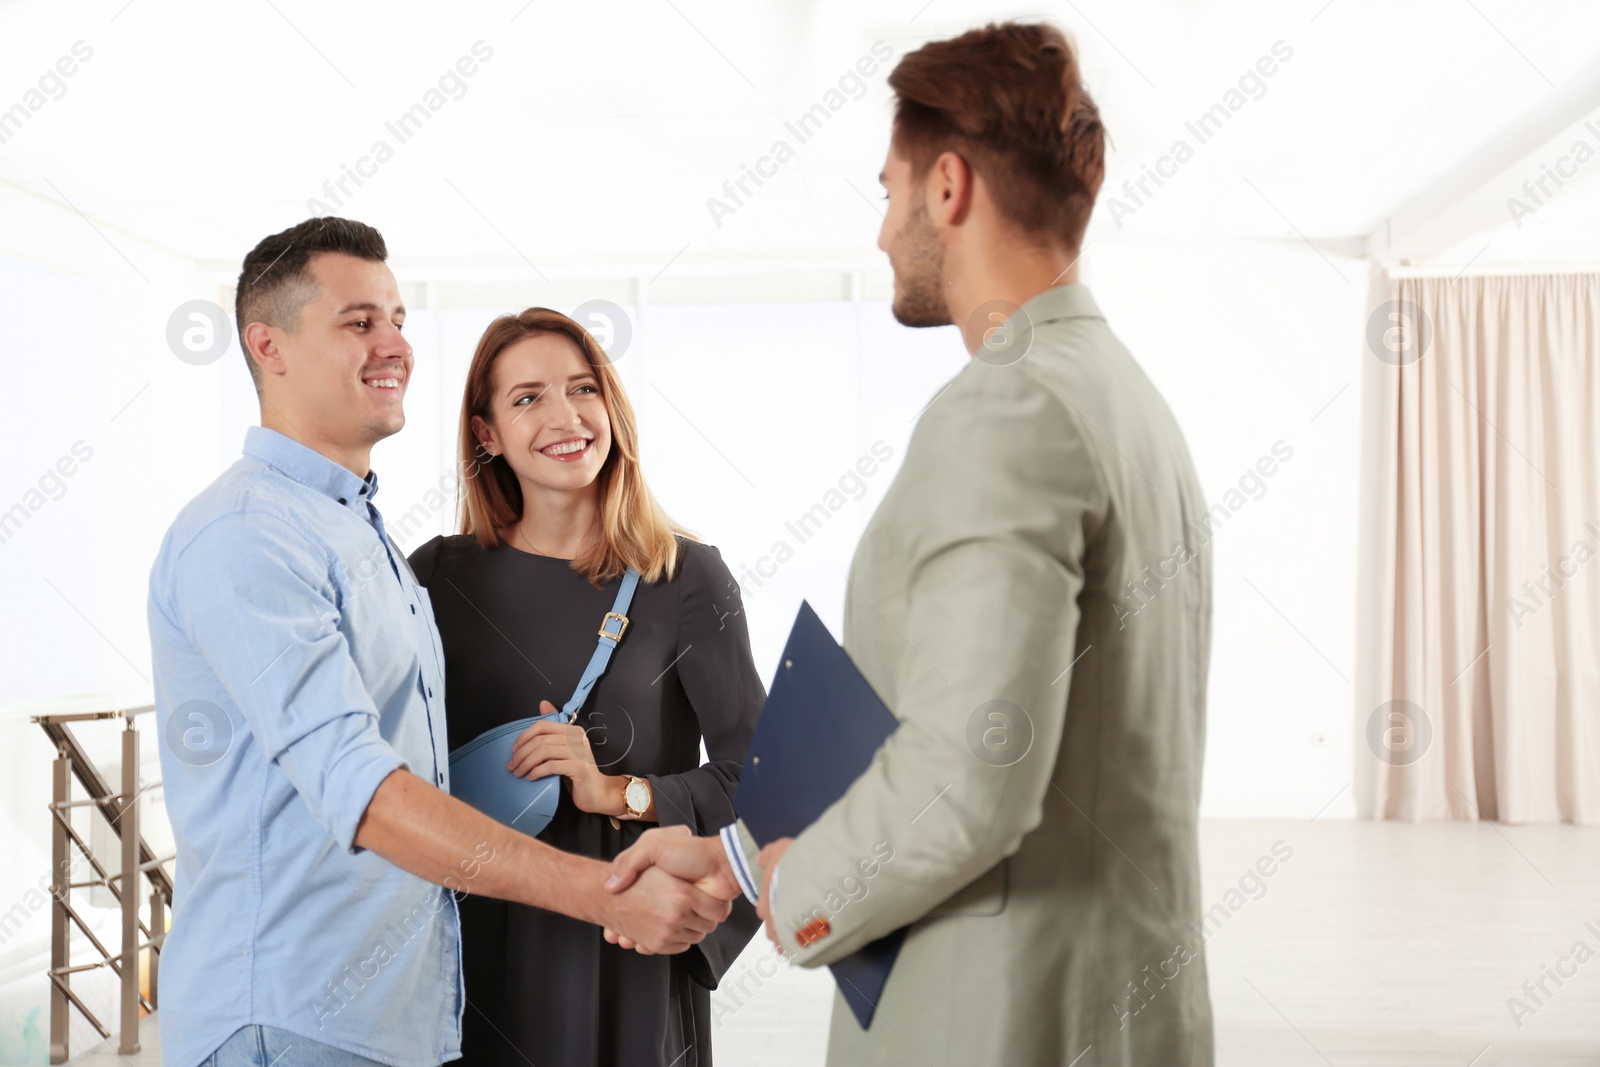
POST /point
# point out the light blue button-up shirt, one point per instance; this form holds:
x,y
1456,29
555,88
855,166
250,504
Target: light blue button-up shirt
x,y
296,666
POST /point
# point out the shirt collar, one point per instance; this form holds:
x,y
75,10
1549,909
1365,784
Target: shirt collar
x,y
310,468
1071,301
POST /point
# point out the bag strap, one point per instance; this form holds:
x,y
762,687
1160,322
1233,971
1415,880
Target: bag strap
x,y
612,627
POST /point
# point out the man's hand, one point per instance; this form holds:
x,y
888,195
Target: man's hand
x,y
659,913
675,851
767,860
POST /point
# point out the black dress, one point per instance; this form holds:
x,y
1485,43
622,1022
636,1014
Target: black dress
x,y
517,629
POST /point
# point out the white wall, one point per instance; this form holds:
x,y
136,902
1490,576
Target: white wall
x,y
1253,343
83,312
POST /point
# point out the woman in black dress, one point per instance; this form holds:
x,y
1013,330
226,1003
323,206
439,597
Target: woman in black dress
x,y
555,511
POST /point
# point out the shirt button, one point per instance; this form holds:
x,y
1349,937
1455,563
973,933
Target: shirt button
x,y
413,609
441,778
342,500
430,690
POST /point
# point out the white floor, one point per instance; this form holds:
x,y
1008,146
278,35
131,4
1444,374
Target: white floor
x,y
1373,945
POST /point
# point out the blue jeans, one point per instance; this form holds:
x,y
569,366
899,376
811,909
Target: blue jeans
x,y
267,1046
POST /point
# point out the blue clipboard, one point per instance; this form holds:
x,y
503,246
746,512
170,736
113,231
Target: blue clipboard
x,y
818,731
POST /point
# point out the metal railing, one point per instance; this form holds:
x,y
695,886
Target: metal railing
x,y
136,860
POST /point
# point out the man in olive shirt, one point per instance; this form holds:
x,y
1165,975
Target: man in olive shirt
x,y
1032,602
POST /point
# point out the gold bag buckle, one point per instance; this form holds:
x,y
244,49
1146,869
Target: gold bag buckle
x,y
622,625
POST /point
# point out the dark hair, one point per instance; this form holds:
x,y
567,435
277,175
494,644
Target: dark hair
x,y
1009,99
275,283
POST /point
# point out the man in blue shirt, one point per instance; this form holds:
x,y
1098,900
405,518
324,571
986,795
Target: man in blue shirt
x,y
299,686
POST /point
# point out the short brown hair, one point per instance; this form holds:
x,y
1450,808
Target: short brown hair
x,y
634,530
1009,99
275,284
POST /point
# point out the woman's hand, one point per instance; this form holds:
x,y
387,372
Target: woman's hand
x,y
558,748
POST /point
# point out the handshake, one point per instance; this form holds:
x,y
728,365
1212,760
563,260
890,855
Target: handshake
x,y
674,888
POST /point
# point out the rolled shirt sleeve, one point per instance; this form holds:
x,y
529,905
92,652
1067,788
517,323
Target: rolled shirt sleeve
x,y
256,593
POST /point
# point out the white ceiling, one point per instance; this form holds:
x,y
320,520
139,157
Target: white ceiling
x,y
596,132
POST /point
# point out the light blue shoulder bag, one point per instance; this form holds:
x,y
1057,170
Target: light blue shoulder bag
x,y
478,772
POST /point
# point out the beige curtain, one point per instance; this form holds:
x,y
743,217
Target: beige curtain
x,y
1480,696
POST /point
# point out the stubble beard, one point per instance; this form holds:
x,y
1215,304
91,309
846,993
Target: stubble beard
x,y
921,300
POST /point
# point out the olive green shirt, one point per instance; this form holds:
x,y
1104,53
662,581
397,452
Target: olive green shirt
x,y
1032,600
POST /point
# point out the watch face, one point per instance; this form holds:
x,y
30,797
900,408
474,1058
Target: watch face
x,y
638,796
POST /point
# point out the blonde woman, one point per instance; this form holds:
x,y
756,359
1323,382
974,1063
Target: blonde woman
x,y
555,513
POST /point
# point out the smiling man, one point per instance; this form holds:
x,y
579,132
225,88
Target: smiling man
x,y
300,697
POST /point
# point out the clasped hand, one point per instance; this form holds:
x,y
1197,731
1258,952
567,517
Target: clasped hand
x,y
700,861
672,883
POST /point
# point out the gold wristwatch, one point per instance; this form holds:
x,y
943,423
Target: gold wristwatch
x,y
636,797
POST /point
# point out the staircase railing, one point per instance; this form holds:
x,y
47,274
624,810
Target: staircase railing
x,y
135,859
